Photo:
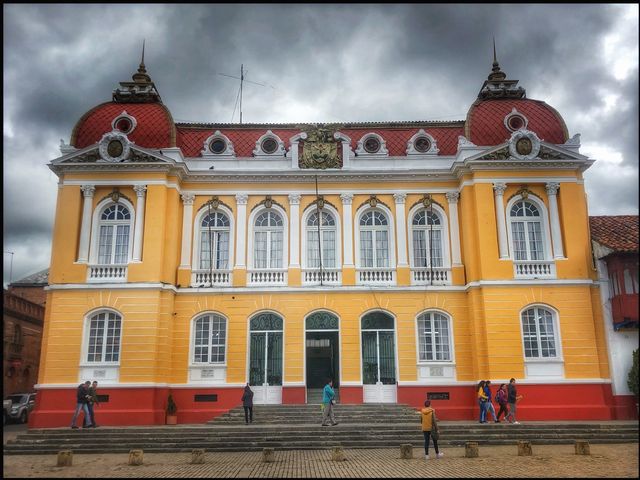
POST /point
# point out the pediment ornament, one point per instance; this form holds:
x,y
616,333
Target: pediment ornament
x,y
320,149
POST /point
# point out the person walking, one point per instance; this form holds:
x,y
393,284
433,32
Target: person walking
x,y
501,398
482,401
430,429
328,401
489,404
247,404
82,397
92,400
512,399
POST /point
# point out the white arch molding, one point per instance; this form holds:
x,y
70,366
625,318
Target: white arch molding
x,y
543,368
436,371
105,373
209,373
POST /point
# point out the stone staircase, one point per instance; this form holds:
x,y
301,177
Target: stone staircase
x,y
297,427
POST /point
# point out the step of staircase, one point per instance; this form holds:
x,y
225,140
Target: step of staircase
x,y
297,427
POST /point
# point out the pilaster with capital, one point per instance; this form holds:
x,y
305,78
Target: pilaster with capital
x,y
454,228
347,221
294,230
139,225
241,229
401,228
498,189
554,218
187,220
85,228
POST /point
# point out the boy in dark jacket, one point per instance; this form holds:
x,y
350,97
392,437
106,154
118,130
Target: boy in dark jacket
x,y
82,398
247,403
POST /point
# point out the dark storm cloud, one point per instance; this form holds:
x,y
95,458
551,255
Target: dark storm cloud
x,y
327,63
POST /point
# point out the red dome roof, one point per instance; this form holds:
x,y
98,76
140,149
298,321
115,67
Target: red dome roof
x,y
485,121
154,125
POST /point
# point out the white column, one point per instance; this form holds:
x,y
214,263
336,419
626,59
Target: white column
x,y
85,228
401,228
556,232
139,226
454,228
294,230
499,189
347,229
187,220
241,229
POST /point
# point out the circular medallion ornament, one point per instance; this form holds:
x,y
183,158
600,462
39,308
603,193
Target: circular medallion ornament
x,y
114,147
422,144
524,145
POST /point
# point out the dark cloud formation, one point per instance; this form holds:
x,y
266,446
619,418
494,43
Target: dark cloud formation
x,y
326,63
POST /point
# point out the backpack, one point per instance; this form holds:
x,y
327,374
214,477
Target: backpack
x,y
499,396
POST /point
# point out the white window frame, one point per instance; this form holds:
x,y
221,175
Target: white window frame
x,y
305,228
104,372
285,237
97,223
444,235
391,237
207,372
197,229
436,371
545,229
543,367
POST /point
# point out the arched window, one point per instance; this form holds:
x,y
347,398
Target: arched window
x,y
114,230
214,241
209,339
539,334
434,337
526,221
103,343
427,233
268,240
328,237
374,239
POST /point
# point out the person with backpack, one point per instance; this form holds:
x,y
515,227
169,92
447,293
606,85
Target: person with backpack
x,y
430,429
247,404
489,404
501,398
482,401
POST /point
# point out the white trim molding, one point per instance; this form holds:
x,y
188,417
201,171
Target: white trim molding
x,y
433,146
280,150
227,153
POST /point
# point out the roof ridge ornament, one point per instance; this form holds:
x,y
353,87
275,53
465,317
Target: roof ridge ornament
x,y
497,85
141,90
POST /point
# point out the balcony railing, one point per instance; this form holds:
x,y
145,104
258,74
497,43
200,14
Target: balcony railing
x,y
431,276
208,278
329,276
376,276
534,269
267,277
107,273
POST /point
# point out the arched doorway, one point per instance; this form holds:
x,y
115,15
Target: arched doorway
x,y
379,378
322,354
266,358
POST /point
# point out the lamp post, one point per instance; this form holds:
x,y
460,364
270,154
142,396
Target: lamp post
x,y
10,266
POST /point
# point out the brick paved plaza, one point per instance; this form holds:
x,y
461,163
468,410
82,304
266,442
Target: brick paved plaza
x,y
547,461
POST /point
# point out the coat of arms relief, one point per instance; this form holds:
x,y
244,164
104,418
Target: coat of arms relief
x,y
320,149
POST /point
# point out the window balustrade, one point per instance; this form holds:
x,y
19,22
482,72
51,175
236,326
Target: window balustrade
x,y
216,278
107,273
431,276
376,276
267,277
329,276
529,269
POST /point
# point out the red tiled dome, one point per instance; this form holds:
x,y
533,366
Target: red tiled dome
x,y
154,125
485,121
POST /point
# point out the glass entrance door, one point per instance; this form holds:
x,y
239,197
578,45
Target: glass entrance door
x,y
378,359
265,358
322,354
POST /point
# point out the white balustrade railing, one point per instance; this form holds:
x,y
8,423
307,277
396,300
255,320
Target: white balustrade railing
x,y
431,276
207,278
329,276
107,273
534,269
267,277
376,276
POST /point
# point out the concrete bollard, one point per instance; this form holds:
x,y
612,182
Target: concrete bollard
x,y
471,449
135,457
406,451
337,454
197,455
268,455
582,447
524,449
65,458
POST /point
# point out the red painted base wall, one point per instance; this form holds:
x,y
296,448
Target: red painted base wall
x,y
146,406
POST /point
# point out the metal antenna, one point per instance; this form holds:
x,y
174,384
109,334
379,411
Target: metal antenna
x,y
242,80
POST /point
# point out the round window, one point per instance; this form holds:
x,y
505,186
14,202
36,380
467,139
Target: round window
x,y
218,146
269,145
515,122
422,144
124,125
115,148
372,145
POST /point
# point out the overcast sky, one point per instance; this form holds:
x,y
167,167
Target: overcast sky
x,y
326,63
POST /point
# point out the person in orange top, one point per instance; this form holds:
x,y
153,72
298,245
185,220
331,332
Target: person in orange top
x,y
429,424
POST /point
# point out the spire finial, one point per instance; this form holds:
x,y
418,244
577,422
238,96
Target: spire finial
x,y
143,41
495,60
496,74
141,75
